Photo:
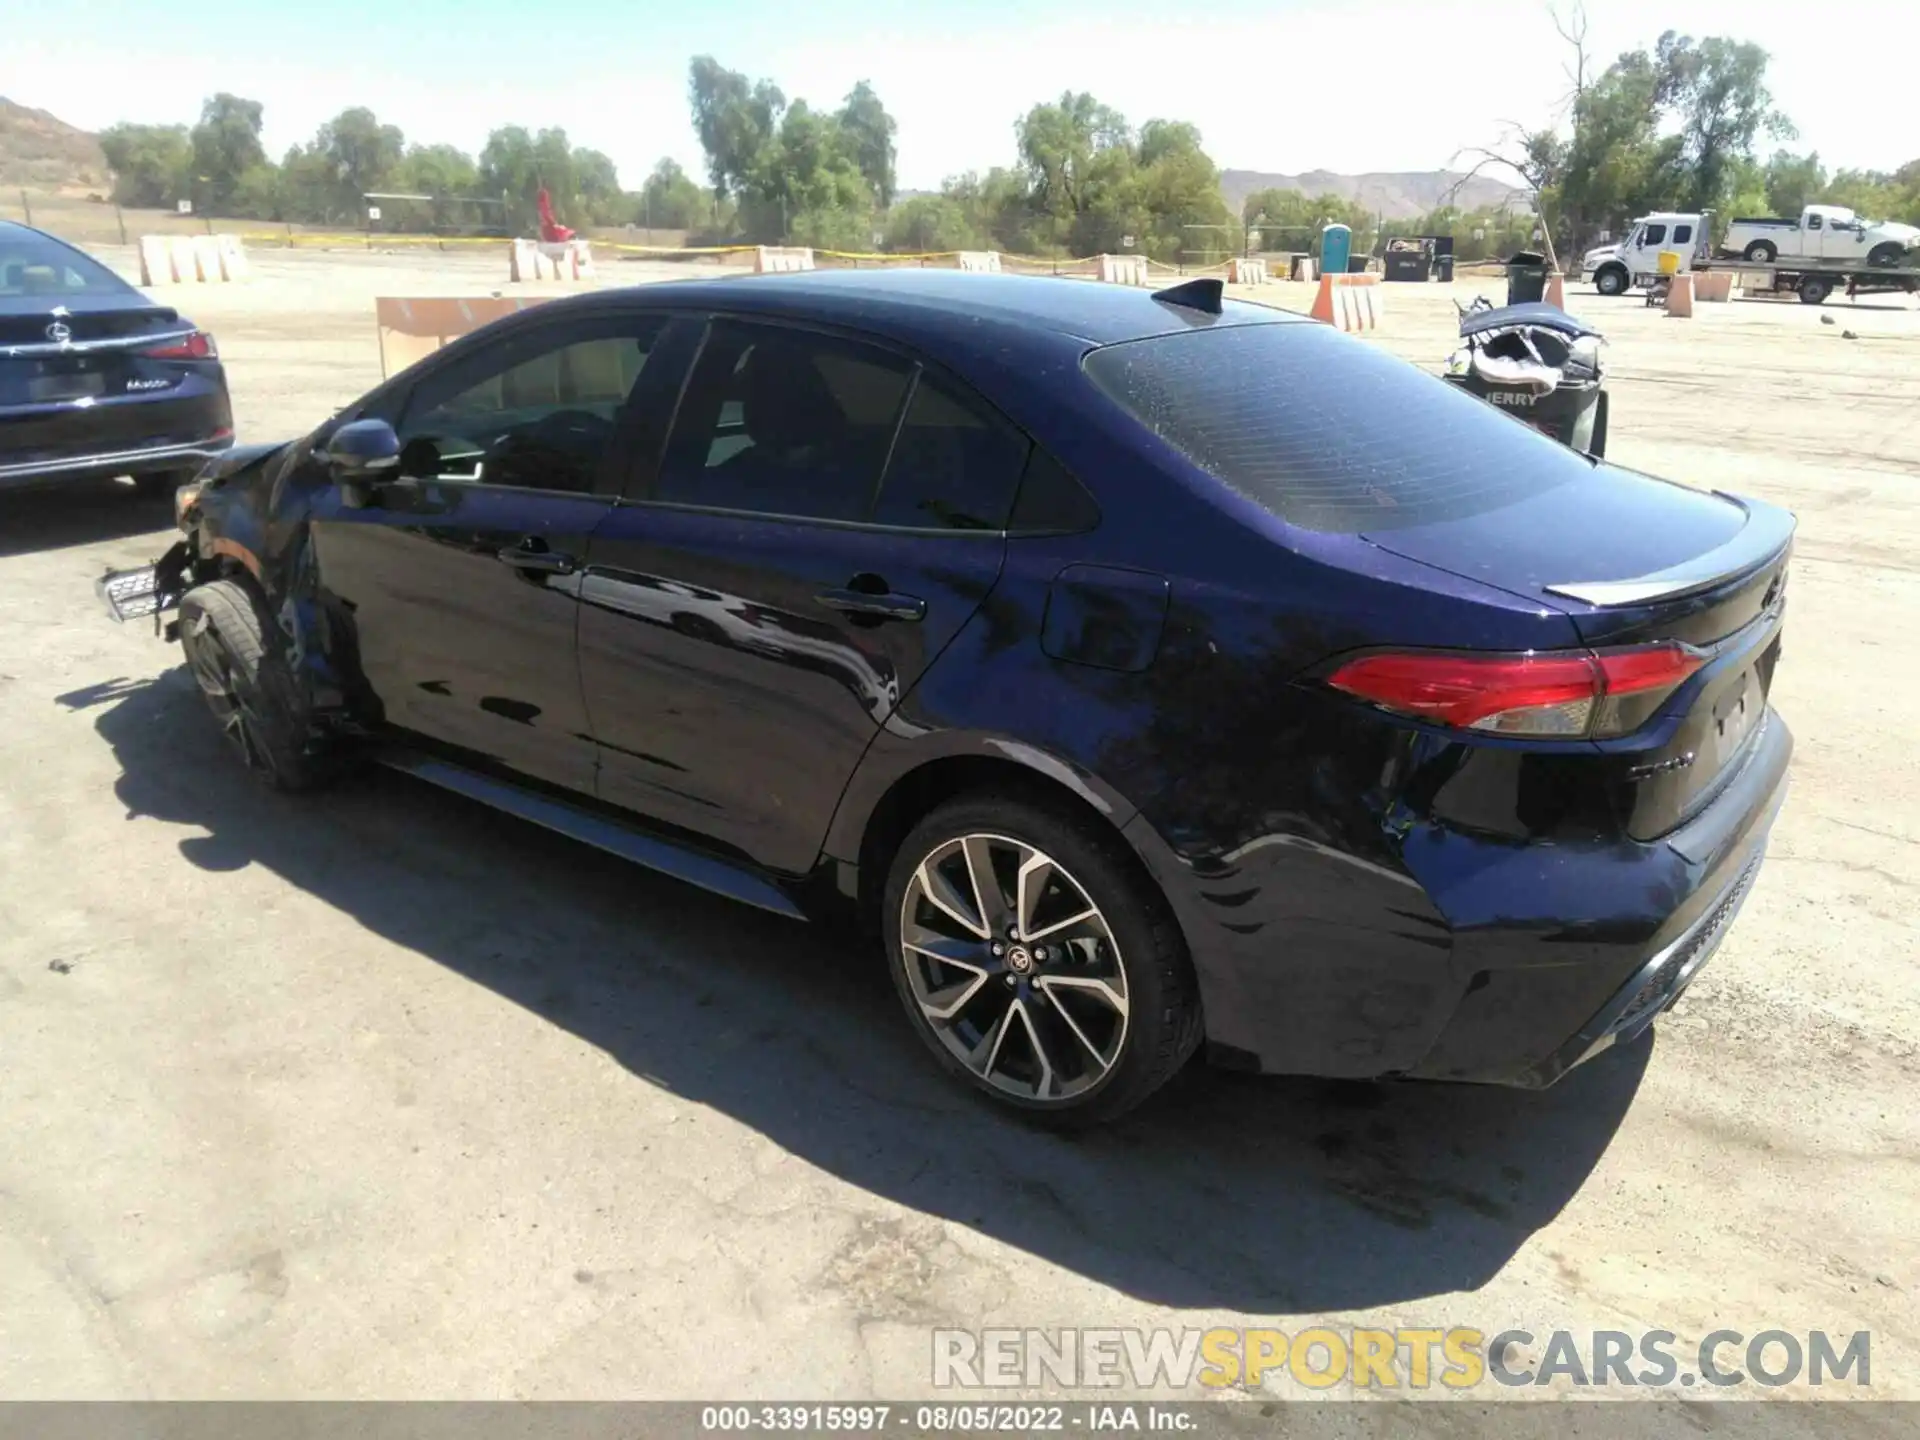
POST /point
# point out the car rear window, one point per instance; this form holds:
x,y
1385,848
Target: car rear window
x,y
31,264
1326,432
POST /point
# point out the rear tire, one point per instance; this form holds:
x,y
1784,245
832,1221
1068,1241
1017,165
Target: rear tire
x,y
1762,252
235,656
1092,1004
1814,290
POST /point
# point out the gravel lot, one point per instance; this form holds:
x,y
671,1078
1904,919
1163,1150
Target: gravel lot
x,y
377,1094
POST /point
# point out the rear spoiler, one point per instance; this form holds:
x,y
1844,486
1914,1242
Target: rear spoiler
x,y
1768,532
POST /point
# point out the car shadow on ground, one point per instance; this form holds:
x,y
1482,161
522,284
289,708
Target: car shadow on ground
x,y
1265,1195
57,516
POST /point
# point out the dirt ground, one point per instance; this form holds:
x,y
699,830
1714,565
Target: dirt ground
x,y
377,1094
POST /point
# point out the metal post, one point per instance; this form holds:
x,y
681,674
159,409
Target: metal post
x,y
120,219
27,206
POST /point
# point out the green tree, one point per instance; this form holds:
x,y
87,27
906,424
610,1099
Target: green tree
x,y
1793,182
933,224
736,120
670,199
1060,144
1718,92
362,154
226,145
870,130
152,164
444,172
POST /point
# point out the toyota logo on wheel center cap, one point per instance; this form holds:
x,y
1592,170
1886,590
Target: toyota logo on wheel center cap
x,y
1019,960
59,332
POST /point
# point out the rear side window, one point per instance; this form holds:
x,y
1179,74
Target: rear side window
x,y
31,264
783,422
954,466
1326,432
1682,234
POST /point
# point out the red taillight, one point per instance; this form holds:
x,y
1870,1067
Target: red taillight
x,y
1532,694
197,346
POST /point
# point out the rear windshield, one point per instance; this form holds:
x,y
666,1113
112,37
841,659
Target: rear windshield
x,y
1326,432
31,265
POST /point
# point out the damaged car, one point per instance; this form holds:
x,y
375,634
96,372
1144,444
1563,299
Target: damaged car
x,y
1149,672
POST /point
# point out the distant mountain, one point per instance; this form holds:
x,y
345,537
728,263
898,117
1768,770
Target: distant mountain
x,y
40,152
1398,195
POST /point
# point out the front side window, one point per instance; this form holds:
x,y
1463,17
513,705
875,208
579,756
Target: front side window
x,y
1654,235
785,422
537,413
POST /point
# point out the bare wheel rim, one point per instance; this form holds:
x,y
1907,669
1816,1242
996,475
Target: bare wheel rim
x,y
1014,968
229,696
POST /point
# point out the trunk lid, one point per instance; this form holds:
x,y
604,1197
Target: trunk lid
x,y
1631,560
83,347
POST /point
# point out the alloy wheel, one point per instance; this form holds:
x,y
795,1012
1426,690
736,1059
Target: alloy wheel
x,y
230,696
1014,968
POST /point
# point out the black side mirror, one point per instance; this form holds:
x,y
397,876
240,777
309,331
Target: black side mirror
x,y
359,456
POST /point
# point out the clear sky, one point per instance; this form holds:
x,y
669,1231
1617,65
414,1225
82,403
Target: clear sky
x,y
1278,85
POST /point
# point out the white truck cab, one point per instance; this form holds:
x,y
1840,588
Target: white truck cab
x,y
1823,232
1654,247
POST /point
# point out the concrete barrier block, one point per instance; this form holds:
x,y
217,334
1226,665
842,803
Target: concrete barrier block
x,y
233,258
156,265
1680,297
1306,268
1246,272
180,262
781,259
1121,269
985,262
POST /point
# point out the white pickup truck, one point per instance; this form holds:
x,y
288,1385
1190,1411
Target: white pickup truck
x,y
1823,232
1657,248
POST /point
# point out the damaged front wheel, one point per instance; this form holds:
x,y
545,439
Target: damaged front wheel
x,y
247,685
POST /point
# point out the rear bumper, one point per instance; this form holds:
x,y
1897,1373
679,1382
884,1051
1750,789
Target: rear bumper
x,y
1489,962
143,461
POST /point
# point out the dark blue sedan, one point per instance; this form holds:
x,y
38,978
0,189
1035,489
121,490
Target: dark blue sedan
x,y
95,378
1144,670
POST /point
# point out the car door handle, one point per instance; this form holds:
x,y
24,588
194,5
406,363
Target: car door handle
x,y
881,605
539,562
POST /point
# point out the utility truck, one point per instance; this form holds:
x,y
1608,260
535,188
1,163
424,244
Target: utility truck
x,y
1657,247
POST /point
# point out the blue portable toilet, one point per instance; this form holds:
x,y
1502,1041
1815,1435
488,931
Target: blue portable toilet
x,y
1336,242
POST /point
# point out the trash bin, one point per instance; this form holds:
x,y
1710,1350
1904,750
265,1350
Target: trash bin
x,y
1509,352
1526,278
1443,269
1574,413
1357,264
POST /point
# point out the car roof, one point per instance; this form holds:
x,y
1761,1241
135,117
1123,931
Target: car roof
x,y
924,306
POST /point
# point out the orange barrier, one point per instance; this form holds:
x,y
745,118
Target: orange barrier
x,y
1121,269
413,327
1246,272
1306,268
781,259
1349,302
1556,291
1680,297
1713,285
986,262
